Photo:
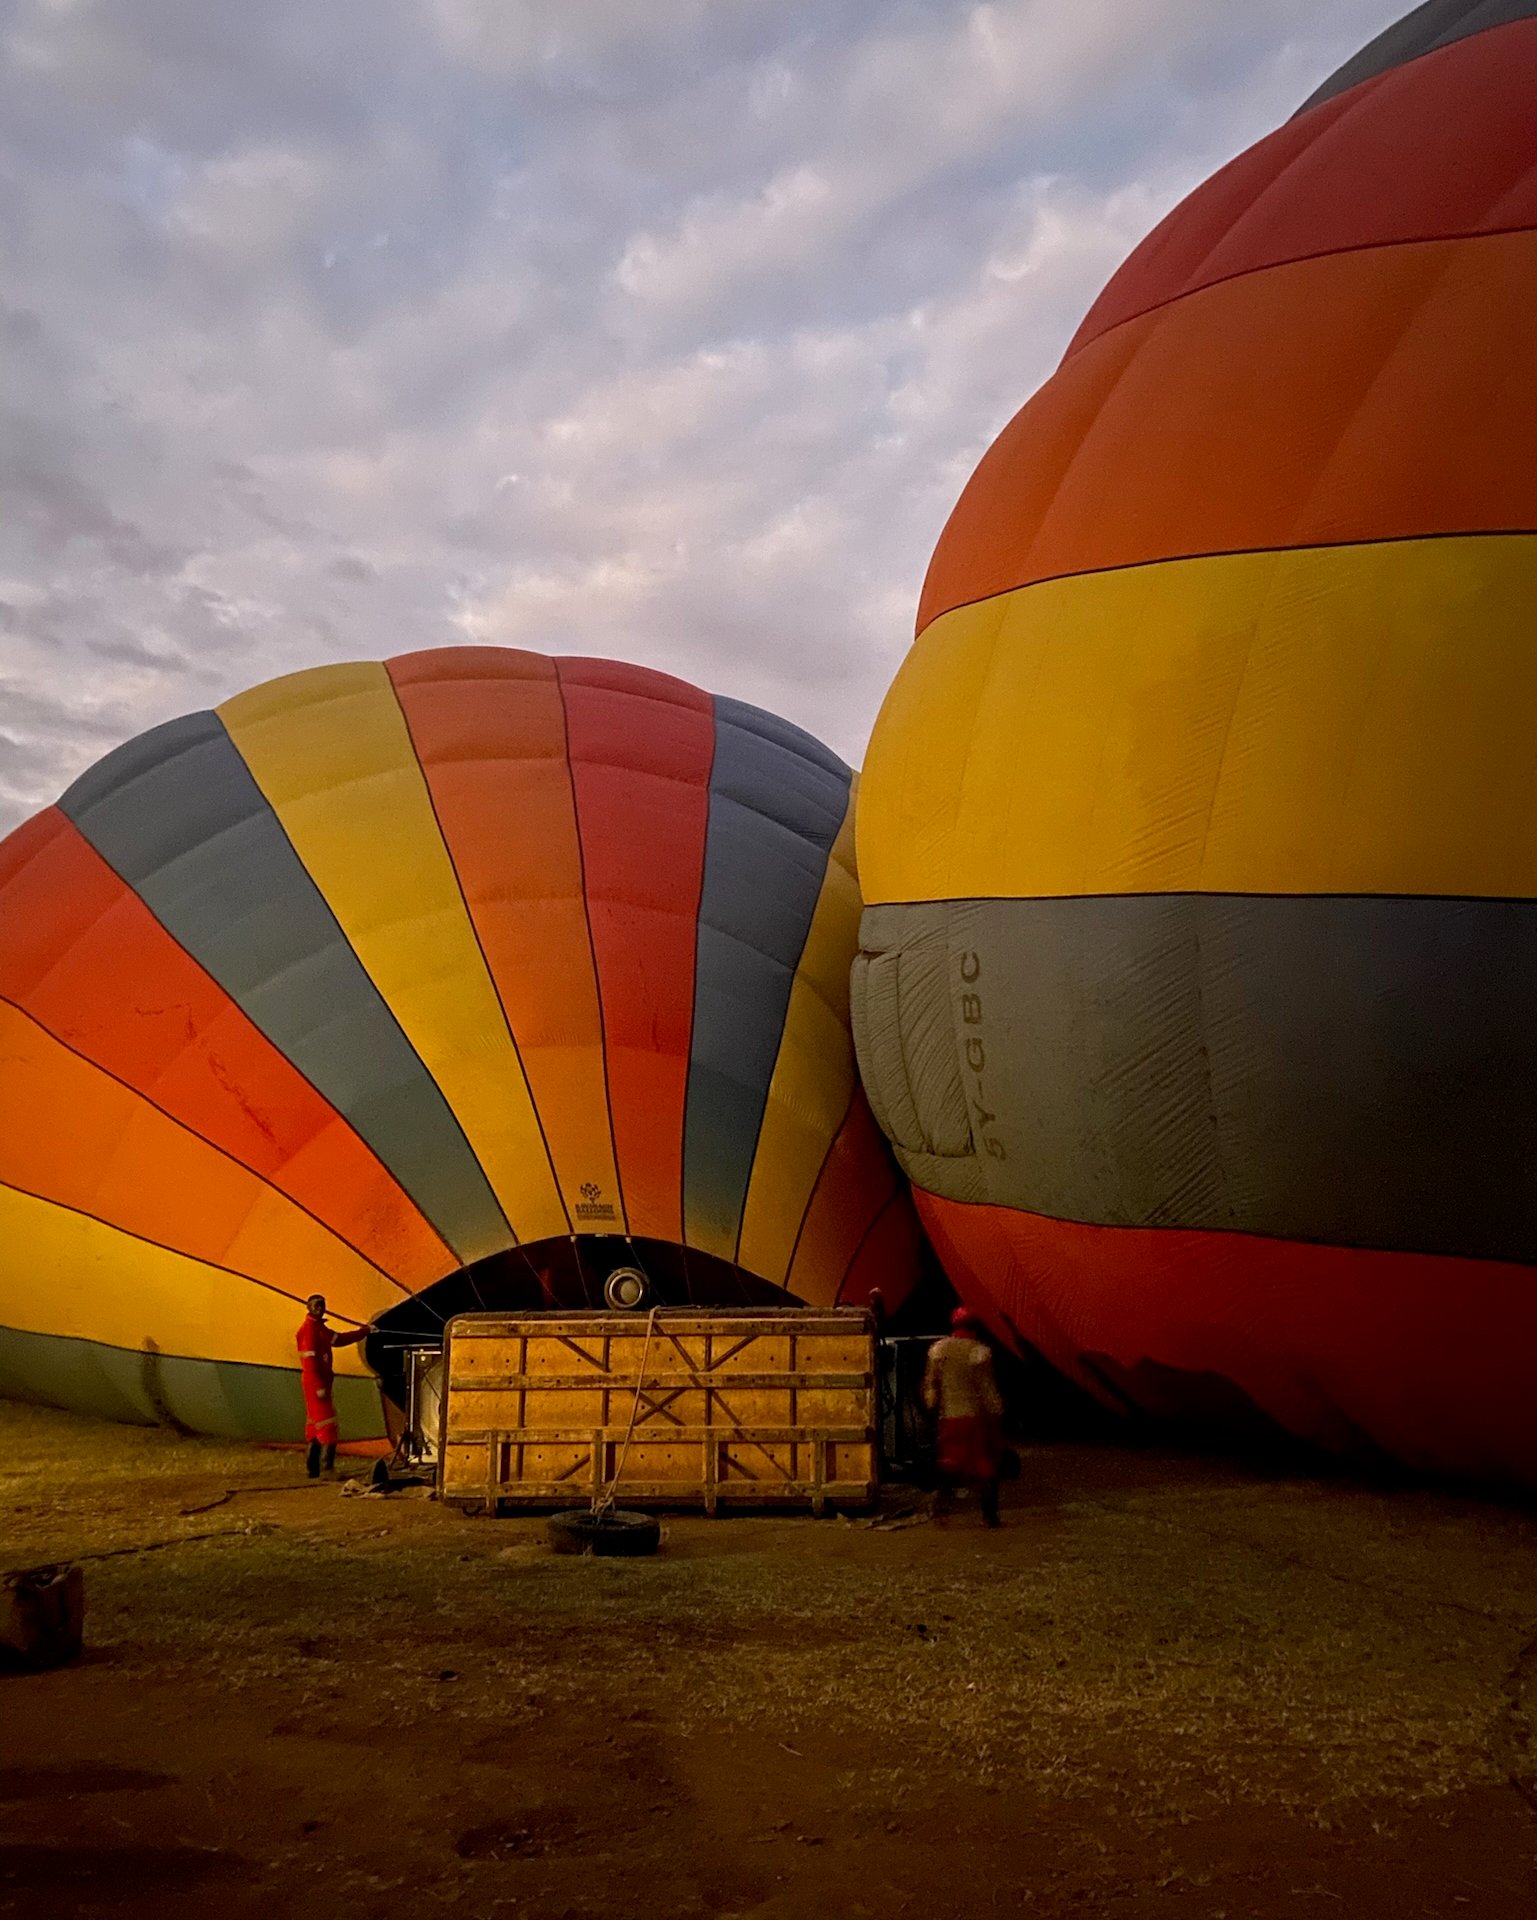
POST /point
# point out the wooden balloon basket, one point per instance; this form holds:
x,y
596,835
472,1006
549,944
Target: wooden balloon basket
x,y
677,1408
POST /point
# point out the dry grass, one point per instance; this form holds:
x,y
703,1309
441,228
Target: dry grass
x,y
1166,1638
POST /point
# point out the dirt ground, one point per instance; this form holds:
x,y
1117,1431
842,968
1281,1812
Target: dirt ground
x,y
1165,1687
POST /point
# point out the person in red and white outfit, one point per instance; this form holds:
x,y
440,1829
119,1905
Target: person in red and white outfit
x,y
317,1371
960,1386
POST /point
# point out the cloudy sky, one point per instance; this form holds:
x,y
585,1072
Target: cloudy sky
x,y
666,329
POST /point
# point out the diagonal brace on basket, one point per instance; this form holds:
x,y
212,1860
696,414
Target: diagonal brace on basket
x,y
603,1499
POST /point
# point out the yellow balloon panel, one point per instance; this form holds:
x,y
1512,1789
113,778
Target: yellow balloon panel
x,y
1286,722
86,1280
331,753
814,1076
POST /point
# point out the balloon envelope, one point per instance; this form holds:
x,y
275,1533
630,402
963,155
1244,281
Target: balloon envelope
x,y
1199,982
473,971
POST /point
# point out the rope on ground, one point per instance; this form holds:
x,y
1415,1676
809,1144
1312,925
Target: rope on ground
x,y
229,1493
246,1532
603,1502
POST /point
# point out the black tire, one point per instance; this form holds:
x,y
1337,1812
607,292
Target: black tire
x,y
612,1535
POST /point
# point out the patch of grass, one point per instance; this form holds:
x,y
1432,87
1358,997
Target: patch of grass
x,y
1202,1644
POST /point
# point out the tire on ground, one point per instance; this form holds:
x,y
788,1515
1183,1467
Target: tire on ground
x,y
613,1534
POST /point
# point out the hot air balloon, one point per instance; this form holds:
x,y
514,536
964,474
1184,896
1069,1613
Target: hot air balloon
x,y
1198,984
454,980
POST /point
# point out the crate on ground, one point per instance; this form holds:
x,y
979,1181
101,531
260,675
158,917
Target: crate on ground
x,y
42,1616
685,1407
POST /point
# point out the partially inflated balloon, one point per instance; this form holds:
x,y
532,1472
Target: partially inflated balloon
x,y
1199,990
475,968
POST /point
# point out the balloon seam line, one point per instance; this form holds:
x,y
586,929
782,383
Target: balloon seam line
x,y
1242,1233
410,1045
186,1359
816,1185
1352,250
1206,893
202,1139
864,1239
784,1029
1423,537
233,1003
1326,90
693,1001
160,1246
512,1038
592,950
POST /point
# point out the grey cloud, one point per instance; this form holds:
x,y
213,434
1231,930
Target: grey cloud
x,y
50,507
670,331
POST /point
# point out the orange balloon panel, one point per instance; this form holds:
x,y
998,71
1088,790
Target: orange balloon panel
x,y
1112,464
500,777
71,1134
650,780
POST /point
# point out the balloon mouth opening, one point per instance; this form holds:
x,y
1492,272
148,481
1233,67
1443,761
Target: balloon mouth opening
x,y
596,1272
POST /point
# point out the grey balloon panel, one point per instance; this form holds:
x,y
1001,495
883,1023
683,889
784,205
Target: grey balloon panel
x,y
83,1376
229,1397
903,1025
119,803
777,801
1439,23
1355,1071
904,1039
178,815
799,752
878,1044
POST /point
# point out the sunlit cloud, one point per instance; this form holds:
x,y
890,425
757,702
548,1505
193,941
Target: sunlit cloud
x,y
666,332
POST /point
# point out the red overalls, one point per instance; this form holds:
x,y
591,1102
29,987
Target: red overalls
x,y
315,1341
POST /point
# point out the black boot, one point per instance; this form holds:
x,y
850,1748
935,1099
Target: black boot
x,y
330,1461
312,1460
989,1502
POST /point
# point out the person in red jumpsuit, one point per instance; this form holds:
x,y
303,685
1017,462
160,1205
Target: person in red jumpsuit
x,y
317,1371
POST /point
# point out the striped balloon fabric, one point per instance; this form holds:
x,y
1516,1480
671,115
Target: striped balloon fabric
x,y
1201,824
379,971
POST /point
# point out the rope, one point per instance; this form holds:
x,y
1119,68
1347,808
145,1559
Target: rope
x,y
470,1275
635,1255
603,1502
581,1271
539,1280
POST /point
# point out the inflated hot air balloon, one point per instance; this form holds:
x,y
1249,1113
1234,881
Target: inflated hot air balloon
x,y
1199,982
456,980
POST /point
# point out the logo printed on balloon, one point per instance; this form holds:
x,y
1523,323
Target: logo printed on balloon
x,y
975,1053
592,1205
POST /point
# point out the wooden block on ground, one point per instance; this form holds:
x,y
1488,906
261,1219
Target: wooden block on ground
x,y
42,1616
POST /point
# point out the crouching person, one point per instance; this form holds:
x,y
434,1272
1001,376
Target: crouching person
x,y
959,1385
